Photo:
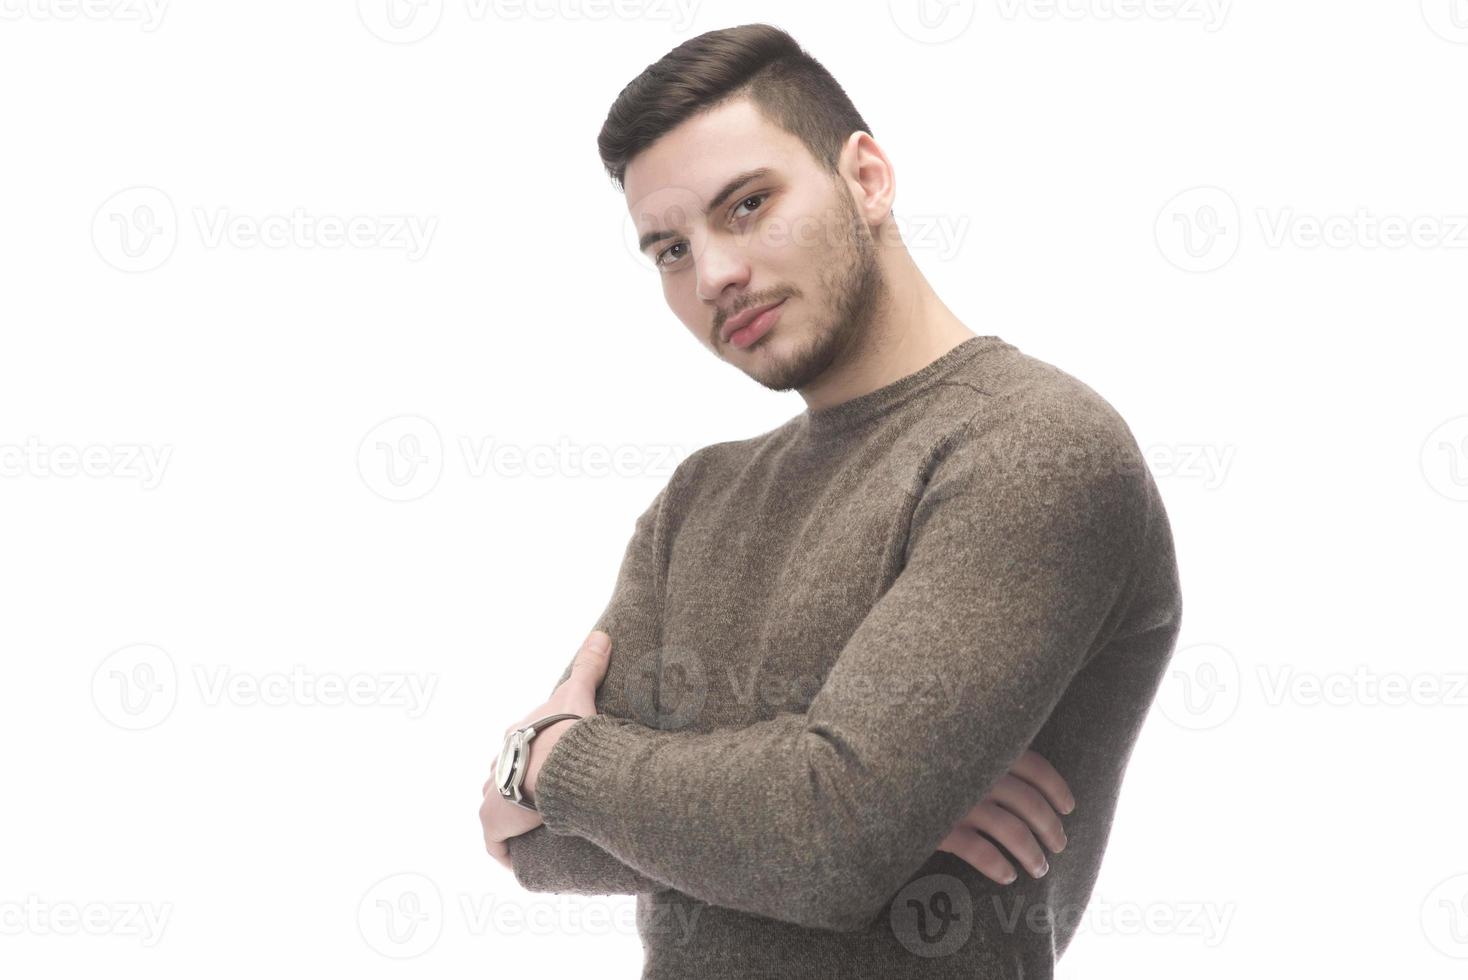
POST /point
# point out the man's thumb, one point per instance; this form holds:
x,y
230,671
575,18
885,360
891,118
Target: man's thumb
x,y
592,660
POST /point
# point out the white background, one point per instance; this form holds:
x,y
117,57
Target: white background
x,y
1295,802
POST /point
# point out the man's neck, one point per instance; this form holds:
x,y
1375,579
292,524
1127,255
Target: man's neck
x,y
913,330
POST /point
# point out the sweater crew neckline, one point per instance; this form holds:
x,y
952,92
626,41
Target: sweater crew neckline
x,y
852,412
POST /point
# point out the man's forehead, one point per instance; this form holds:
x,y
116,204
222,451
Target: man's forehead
x,y
689,164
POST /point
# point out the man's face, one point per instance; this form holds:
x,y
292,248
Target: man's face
x,y
791,234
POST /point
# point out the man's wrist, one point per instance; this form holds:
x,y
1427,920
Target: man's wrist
x,y
540,748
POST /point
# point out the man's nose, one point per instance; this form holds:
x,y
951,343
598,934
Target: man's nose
x,y
719,265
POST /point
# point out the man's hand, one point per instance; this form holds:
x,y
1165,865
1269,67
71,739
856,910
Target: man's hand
x,y
502,819
1022,804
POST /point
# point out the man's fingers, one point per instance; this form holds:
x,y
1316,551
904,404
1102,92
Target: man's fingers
x,y
983,856
500,851
1011,832
1020,798
1035,770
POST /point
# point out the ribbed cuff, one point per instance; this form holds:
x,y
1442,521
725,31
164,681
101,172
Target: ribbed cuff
x,y
576,776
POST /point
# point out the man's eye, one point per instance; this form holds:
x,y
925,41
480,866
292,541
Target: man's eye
x,y
667,251
752,197
666,256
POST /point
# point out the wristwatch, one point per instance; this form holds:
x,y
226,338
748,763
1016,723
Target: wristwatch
x,y
514,759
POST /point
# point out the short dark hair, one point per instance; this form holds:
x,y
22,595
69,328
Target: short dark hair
x,y
757,61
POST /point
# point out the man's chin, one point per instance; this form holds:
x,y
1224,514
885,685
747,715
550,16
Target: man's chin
x,y
772,362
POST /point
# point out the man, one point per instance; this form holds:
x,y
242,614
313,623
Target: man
x,y
842,656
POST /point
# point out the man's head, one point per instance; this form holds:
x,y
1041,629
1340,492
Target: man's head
x,y
751,179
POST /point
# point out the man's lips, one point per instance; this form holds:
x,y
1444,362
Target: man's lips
x,y
744,319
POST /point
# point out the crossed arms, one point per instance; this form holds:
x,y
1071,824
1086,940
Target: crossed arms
x,y
1014,576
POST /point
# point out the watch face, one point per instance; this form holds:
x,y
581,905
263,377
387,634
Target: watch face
x,y
504,765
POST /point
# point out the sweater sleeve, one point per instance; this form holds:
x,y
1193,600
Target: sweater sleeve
x,y
547,862
1020,554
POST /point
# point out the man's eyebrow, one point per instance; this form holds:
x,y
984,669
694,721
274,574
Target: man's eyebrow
x,y
736,182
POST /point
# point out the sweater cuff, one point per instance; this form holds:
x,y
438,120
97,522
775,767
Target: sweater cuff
x,y
575,775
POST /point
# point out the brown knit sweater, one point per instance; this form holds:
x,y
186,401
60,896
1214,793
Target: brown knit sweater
x,y
829,641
